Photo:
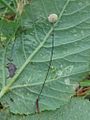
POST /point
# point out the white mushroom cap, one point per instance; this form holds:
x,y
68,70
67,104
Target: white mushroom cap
x,y
52,18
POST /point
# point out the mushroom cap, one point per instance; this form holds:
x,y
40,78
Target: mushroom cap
x,y
52,18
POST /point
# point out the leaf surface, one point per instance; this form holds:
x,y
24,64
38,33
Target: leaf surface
x,y
31,55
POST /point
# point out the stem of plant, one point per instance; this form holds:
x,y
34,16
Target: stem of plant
x,y
50,62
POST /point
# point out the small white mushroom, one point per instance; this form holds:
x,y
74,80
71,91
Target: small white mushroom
x,y
52,18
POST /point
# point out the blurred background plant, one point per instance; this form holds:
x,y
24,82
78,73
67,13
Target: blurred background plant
x,y
10,15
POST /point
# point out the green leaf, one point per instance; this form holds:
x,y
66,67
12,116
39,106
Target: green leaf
x,y
85,83
31,55
8,29
76,110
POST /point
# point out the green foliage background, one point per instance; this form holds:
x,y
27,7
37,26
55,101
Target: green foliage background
x,y
27,40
